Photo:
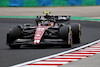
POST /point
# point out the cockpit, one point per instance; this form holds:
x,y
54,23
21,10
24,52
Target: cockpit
x,y
45,23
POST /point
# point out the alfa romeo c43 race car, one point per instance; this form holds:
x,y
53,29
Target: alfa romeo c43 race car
x,y
49,30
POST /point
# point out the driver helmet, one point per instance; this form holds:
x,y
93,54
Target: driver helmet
x,y
45,23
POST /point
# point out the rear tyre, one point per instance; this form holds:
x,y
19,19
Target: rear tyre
x,y
66,35
13,34
76,32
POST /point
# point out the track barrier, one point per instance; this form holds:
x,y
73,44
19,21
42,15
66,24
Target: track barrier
x,y
74,2
36,3
59,2
16,3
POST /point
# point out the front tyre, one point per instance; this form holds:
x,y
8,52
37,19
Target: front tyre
x,y
13,34
66,35
14,46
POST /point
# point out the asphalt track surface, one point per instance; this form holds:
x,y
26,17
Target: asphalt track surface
x,y
8,57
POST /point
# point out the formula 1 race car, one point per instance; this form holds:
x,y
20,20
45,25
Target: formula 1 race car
x,y
48,30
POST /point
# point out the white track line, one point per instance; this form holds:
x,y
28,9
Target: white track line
x,y
79,54
69,57
40,66
41,62
83,52
89,50
55,55
64,59
93,48
86,20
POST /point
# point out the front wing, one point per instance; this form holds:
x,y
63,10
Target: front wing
x,y
44,42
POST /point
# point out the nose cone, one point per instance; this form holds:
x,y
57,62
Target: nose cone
x,y
36,41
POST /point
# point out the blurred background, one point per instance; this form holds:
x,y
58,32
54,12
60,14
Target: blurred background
x,y
14,12
77,8
36,3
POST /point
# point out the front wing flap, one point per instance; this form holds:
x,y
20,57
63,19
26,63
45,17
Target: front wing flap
x,y
44,42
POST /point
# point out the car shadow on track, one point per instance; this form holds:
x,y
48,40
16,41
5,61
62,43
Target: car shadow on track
x,y
49,46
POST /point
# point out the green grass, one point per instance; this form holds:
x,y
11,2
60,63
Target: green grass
x,y
73,18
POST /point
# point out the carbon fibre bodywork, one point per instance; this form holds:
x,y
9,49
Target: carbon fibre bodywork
x,y
49,30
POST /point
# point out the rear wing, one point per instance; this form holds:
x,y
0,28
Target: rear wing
x,y
62,18
55,18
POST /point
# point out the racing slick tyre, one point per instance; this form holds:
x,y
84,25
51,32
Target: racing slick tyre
x,y
13,34
14,46
66,35
76,32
